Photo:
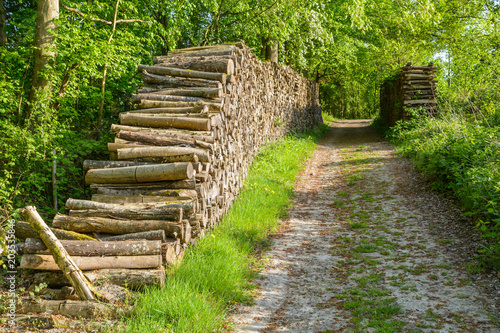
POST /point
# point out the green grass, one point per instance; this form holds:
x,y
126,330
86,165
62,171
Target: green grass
x,y
218,272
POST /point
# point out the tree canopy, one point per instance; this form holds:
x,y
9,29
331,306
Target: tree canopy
x,y
349,47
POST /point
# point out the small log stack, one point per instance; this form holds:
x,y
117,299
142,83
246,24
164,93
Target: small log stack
x,y
413,87
178,160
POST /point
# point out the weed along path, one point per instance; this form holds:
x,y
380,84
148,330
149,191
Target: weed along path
x,y
367,247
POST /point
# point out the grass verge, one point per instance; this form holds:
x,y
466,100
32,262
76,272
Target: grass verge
x,y
461,156
218,272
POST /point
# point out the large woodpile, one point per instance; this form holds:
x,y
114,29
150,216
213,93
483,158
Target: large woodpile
x,y
413,87
177,162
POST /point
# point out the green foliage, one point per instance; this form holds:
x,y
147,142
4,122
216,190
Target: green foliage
x,y
217,273
461,156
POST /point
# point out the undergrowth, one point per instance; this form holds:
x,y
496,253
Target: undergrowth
x,y
462,156
217,273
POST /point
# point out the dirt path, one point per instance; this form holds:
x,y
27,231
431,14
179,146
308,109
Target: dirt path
x,y
369,248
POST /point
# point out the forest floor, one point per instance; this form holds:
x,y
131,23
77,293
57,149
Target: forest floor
x,y
368,247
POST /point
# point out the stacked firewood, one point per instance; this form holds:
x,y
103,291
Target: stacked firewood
x,y
178,160
413,88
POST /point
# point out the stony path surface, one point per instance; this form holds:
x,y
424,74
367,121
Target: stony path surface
x,y
368,247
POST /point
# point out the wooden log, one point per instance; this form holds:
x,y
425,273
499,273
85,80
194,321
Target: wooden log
x,y
59,257
151,104
167,193
146,235
420,101
181,110
183,73
213,65
136,98
74,205
118,227
146,188
197,124
46,262
192,92
147,152
93,164
141,173
201,49
77,309
167,81
25,230
154,140
91,248
156,213
207,53
133,279
175,133
134,199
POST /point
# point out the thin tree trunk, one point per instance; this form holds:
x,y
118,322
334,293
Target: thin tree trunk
x,y
105,69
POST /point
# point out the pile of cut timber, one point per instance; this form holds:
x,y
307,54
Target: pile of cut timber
x,y
414,87
177,162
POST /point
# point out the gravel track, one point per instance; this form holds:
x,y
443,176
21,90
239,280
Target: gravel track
x,y
369,247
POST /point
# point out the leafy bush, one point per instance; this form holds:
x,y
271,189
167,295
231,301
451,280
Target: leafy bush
x,y
462,157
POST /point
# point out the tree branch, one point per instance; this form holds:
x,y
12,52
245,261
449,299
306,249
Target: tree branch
x,y
97,19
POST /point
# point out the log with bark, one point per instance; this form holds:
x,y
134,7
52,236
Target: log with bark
x,y
162,152
132,199
119,226
77,309
197,124
92,248
93,164
143,235
221,77
141,173
214,65
47,262
59,257
25,230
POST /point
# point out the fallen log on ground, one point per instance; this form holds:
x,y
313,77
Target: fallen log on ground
x,y
60,258
132,279
85,309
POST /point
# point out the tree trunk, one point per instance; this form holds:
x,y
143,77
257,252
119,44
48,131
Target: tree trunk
x,y
47,13
3,20
47,263
272,51
60,258
102,248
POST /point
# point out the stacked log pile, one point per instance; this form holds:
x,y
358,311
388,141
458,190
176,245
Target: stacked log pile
x,y
412,88
178,160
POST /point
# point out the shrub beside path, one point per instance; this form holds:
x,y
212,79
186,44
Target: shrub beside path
x,y
368,247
